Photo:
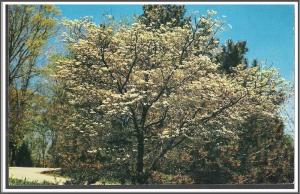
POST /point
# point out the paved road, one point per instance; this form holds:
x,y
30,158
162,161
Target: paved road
x,y
35,174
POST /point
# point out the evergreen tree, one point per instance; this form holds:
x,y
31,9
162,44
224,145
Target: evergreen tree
x,y
233,54
23,156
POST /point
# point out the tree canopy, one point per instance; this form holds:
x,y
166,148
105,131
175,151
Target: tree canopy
x,y
157,15
29,28
158,90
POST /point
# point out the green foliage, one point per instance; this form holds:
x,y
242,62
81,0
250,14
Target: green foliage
x,y
29,28
157,177
213,162
91,175
233,54
265,154
23,156
19,182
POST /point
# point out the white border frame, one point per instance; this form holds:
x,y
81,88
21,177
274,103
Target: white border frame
x,y
97,190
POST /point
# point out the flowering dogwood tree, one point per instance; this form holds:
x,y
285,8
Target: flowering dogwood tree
x,y
161,88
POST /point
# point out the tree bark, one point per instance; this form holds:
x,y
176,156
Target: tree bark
x,y
140,159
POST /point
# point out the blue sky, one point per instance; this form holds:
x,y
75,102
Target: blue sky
x,y
268,29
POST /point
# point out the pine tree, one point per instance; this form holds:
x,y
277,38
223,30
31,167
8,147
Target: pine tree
x,y
23,157
233,54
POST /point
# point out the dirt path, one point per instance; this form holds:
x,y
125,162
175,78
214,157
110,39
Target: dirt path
x,y
35,174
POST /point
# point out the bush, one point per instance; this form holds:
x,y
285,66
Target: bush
x,y
161,178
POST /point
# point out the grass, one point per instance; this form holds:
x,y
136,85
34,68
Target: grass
x,y
24,182
77,175
103,180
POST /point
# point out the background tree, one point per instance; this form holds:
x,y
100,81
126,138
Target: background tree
x,y
41,129
48,108
232,55
23,156
29,27
265,151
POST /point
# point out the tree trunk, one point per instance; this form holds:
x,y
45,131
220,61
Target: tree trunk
x,y
12,153
43,158
140,159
